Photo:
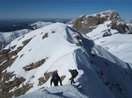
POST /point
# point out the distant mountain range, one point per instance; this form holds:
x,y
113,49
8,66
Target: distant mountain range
x,y
7,37
9,25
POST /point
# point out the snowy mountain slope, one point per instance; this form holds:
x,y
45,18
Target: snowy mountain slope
x,y
102,30
15,34
7,37
36,55
118,44
128,22
19,25
39,24
104,24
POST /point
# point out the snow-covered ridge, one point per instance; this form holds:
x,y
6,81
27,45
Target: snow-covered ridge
x,y
39,24
11,35
7,37
101,74
104,13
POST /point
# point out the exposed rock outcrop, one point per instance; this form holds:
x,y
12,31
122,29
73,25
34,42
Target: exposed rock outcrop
x,y
34,65
87,23
121,28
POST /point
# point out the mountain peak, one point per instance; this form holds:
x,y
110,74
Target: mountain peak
x,y
108,13
87,23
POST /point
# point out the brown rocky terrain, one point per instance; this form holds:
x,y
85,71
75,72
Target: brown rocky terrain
x,y
87,23
7,57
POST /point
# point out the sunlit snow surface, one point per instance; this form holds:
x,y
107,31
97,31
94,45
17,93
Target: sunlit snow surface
x,y
63,54
118,44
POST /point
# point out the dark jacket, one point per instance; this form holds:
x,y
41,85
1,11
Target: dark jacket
x,y
55,79
74,73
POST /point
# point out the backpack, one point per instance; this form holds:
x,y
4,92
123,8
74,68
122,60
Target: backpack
x,y
74,73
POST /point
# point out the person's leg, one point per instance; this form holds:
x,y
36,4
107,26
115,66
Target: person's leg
x,y
55,83
72,81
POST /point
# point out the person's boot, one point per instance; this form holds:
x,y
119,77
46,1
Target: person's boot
x,y
73,81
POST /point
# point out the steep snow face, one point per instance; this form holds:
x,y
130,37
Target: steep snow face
x,y
101,74
116,43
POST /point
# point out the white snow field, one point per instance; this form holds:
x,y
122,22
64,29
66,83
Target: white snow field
x,y
118,44
9,36
101,75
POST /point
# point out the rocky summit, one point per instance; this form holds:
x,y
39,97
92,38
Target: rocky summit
x,y
86,23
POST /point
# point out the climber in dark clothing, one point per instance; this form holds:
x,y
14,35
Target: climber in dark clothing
x,y
74,73
55,79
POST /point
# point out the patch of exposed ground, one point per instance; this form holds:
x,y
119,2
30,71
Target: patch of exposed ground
x,y
34,65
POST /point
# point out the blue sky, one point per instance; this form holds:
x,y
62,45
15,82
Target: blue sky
x,y
61,8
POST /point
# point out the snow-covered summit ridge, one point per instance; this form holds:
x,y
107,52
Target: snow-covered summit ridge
x,y
39,24
107,13
104,13
55,47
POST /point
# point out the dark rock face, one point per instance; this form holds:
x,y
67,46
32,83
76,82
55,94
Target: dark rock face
x,y
121,28
86,23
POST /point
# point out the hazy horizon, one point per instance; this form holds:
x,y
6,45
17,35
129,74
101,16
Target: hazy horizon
x,y
38,9
6,22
